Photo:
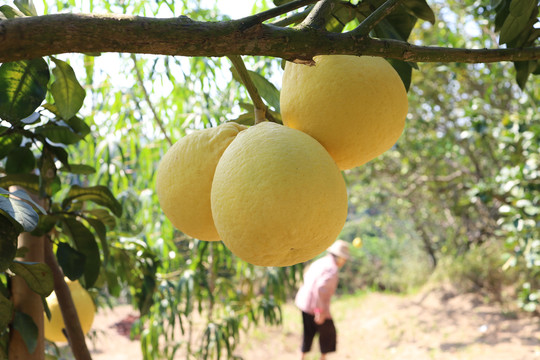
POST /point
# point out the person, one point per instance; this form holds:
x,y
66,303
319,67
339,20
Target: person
x,y
313,298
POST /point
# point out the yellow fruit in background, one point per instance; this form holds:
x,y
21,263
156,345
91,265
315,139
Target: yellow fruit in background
x,y
184,179
85,310
278,198
354,106
357,242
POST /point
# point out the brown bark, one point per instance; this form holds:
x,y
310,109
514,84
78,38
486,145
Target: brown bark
x,y
30,37
69,312
28,302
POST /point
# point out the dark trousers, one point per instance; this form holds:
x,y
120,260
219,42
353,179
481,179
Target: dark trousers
x,y
327,334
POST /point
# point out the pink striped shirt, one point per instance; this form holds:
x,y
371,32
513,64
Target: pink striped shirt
x,y
320,284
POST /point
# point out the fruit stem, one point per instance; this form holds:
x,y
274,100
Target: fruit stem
x,y
375,17
261,110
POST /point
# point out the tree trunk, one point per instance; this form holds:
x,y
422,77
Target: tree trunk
x,y
28,302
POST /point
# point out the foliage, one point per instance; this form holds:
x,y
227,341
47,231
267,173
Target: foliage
x,y
465,172
86,140
35,137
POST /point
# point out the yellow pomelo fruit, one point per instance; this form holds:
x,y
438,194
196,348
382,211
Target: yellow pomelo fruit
x,y
278,198
184,179
85,310
354,106
357,242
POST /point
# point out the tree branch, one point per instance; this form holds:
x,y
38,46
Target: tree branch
x,y
147,98
259,18
318,15
31,37
375,17
293,18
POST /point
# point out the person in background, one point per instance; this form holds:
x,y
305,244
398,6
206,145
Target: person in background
x,y
313,298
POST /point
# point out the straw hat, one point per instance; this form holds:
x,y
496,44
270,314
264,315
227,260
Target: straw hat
x,y
340,248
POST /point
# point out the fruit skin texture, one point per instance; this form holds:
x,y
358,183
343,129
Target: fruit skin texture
x,y
278,198
354,106
184,179
85,309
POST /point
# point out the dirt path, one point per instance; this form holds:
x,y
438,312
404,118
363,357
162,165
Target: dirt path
x,y
432,325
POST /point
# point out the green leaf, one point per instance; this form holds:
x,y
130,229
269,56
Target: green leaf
x,y
68,94
98,194
23,85
23,195
32,119
60,153
9,233
86,244
6,311
45,225
71,261
79,126
266,89
502,11
8,142
101,231
104,216
523,70
20,160
340,17
59,134
522,7
397,27
420,9
9,12
520,12
28,181
404,69
281,2
26,6
38,276
24,324
246,119
79,169
20,211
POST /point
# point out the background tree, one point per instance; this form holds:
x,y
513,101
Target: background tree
x,y
464,174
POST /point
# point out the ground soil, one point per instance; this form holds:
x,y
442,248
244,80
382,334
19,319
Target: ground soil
x,y
433,324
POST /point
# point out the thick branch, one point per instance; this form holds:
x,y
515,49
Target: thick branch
x,y
30,37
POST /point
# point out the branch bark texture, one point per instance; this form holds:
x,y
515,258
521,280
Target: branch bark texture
x,y
73,329
31,37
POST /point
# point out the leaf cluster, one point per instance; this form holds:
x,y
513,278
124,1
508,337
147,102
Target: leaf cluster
x,y
39,126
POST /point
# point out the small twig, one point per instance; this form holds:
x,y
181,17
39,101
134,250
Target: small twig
x,y
317,17
147,98
261,110
294,18
259,18
375,17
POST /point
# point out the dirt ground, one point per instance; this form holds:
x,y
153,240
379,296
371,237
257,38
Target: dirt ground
x,y
434,324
